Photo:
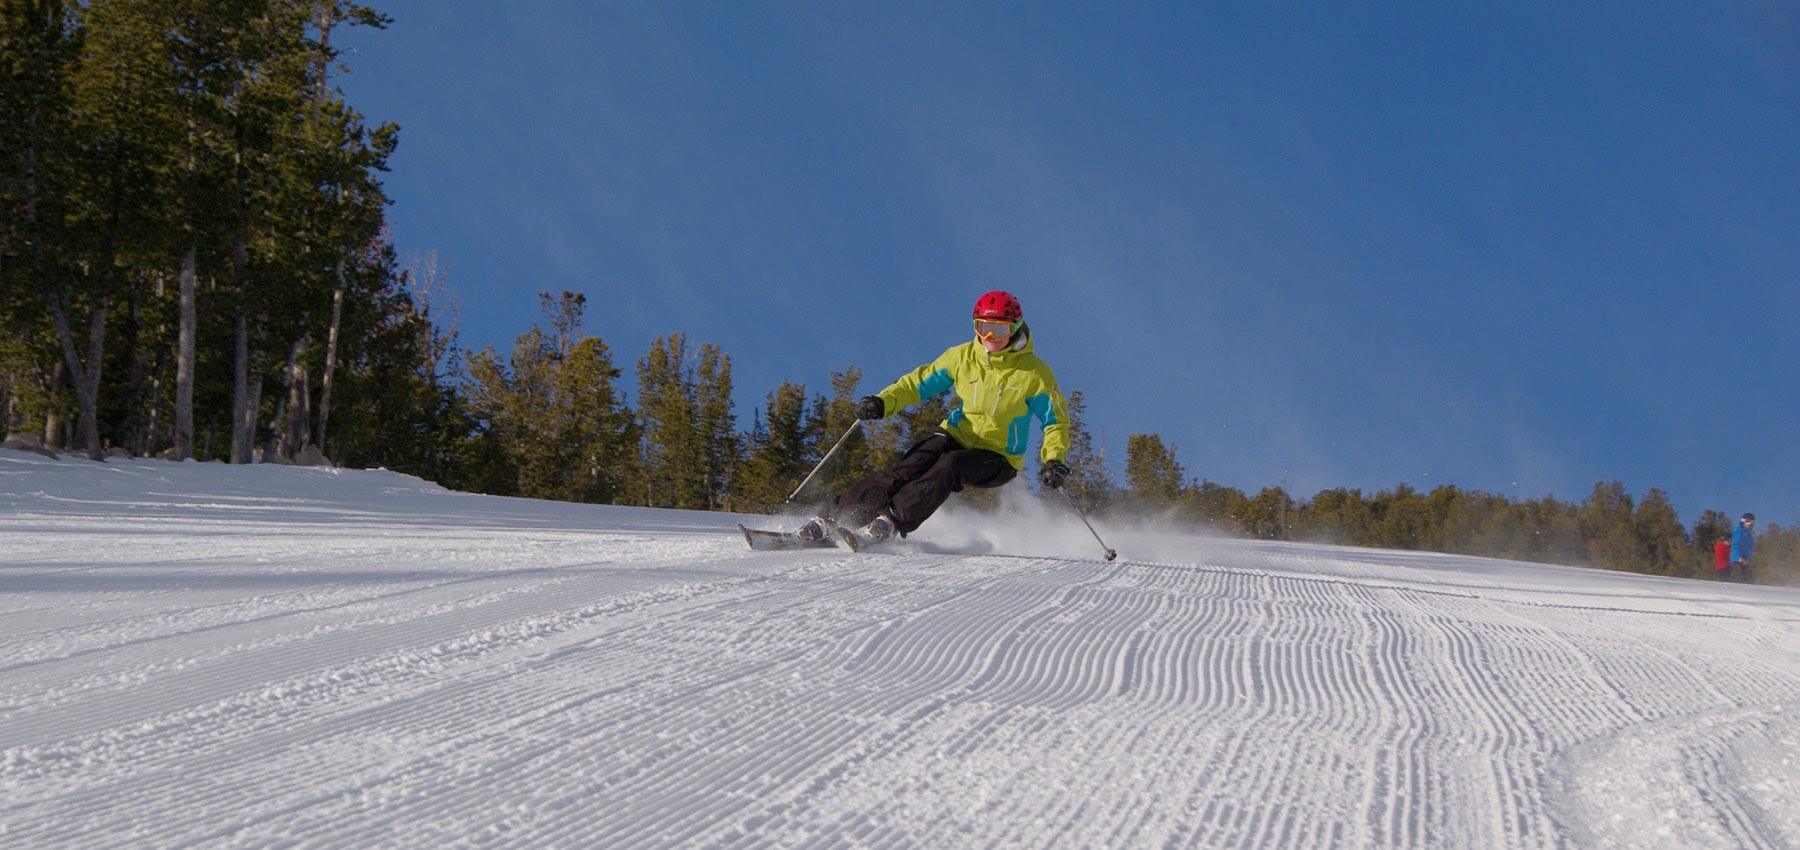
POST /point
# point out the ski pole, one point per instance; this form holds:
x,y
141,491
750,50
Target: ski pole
x,y
1110,554
821,464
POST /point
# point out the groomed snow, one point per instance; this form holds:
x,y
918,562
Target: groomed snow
x,y
205,655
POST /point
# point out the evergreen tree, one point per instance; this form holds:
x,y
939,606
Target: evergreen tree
x,y
688,446
1604,521
1214,506
1089,481
1151,472
1266,516
1712,526
1402,519
835,416
715,427
555,409
1335,516
1662,544
780,453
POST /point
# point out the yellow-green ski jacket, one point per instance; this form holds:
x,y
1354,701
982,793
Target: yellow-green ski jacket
x,y
997,395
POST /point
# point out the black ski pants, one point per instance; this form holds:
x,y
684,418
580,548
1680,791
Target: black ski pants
x,y
913,488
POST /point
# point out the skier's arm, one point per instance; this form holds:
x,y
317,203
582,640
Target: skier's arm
x,y
1050,408
928,381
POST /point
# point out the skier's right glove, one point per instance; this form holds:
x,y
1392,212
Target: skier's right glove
x,y
871,407
1054,473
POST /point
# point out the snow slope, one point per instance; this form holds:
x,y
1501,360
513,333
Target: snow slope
x,y
196,654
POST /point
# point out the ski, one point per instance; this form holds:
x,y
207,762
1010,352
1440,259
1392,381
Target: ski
x,y
838,536
765,540
847,538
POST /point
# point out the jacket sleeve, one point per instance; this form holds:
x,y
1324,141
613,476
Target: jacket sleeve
x,y
1053,411
928,381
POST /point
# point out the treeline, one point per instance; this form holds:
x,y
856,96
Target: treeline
x,y
192,259
1609,529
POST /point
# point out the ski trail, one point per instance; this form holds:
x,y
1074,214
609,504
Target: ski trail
x,y
198,667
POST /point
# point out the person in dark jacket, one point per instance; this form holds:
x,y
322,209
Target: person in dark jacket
x,y
1743,542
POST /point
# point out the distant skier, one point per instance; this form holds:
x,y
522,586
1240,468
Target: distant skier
x,y
1722,558
1000,385
1743,541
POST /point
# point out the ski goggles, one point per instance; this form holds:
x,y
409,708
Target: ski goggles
x,y
996,328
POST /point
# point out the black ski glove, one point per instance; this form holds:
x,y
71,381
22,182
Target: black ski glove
x,y
871,407
1053,473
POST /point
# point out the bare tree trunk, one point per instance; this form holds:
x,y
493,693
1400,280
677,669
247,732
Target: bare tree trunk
x,y
153,428
256,390
53,418
299,427
241,416
322,17
11,402
290,425
331,340
184,364
91,414
134,377
86,381
272,448
293,428
150,437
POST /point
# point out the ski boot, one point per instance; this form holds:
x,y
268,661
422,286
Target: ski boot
x,y
880,528
815,530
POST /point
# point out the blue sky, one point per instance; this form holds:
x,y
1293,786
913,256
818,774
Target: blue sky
x,y
1519,246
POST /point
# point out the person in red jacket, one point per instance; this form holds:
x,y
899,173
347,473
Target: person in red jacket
x,y
1722,558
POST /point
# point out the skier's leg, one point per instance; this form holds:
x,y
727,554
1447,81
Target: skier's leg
x,y
861,501
915,502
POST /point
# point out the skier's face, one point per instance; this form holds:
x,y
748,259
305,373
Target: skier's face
x,y
993,335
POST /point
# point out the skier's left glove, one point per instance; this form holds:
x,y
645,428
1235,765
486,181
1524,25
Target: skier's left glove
x,y
871,407
1053,473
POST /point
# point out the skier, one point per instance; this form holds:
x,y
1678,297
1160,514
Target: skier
x,y
1743,541
1000,385
1722,558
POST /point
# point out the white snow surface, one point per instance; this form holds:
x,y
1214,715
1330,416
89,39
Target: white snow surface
x,y
218,656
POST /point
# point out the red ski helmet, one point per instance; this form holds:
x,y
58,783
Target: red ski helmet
x,y
999,304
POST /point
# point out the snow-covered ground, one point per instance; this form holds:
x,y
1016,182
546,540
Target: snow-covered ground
x,y
197,654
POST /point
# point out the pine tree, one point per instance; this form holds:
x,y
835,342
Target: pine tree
x,y
688,447
1266,516
780,453
1215,505
1402,519
835,417
46,252
715,428
1090,483
1662,544
556,409
1151,472
1604,521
